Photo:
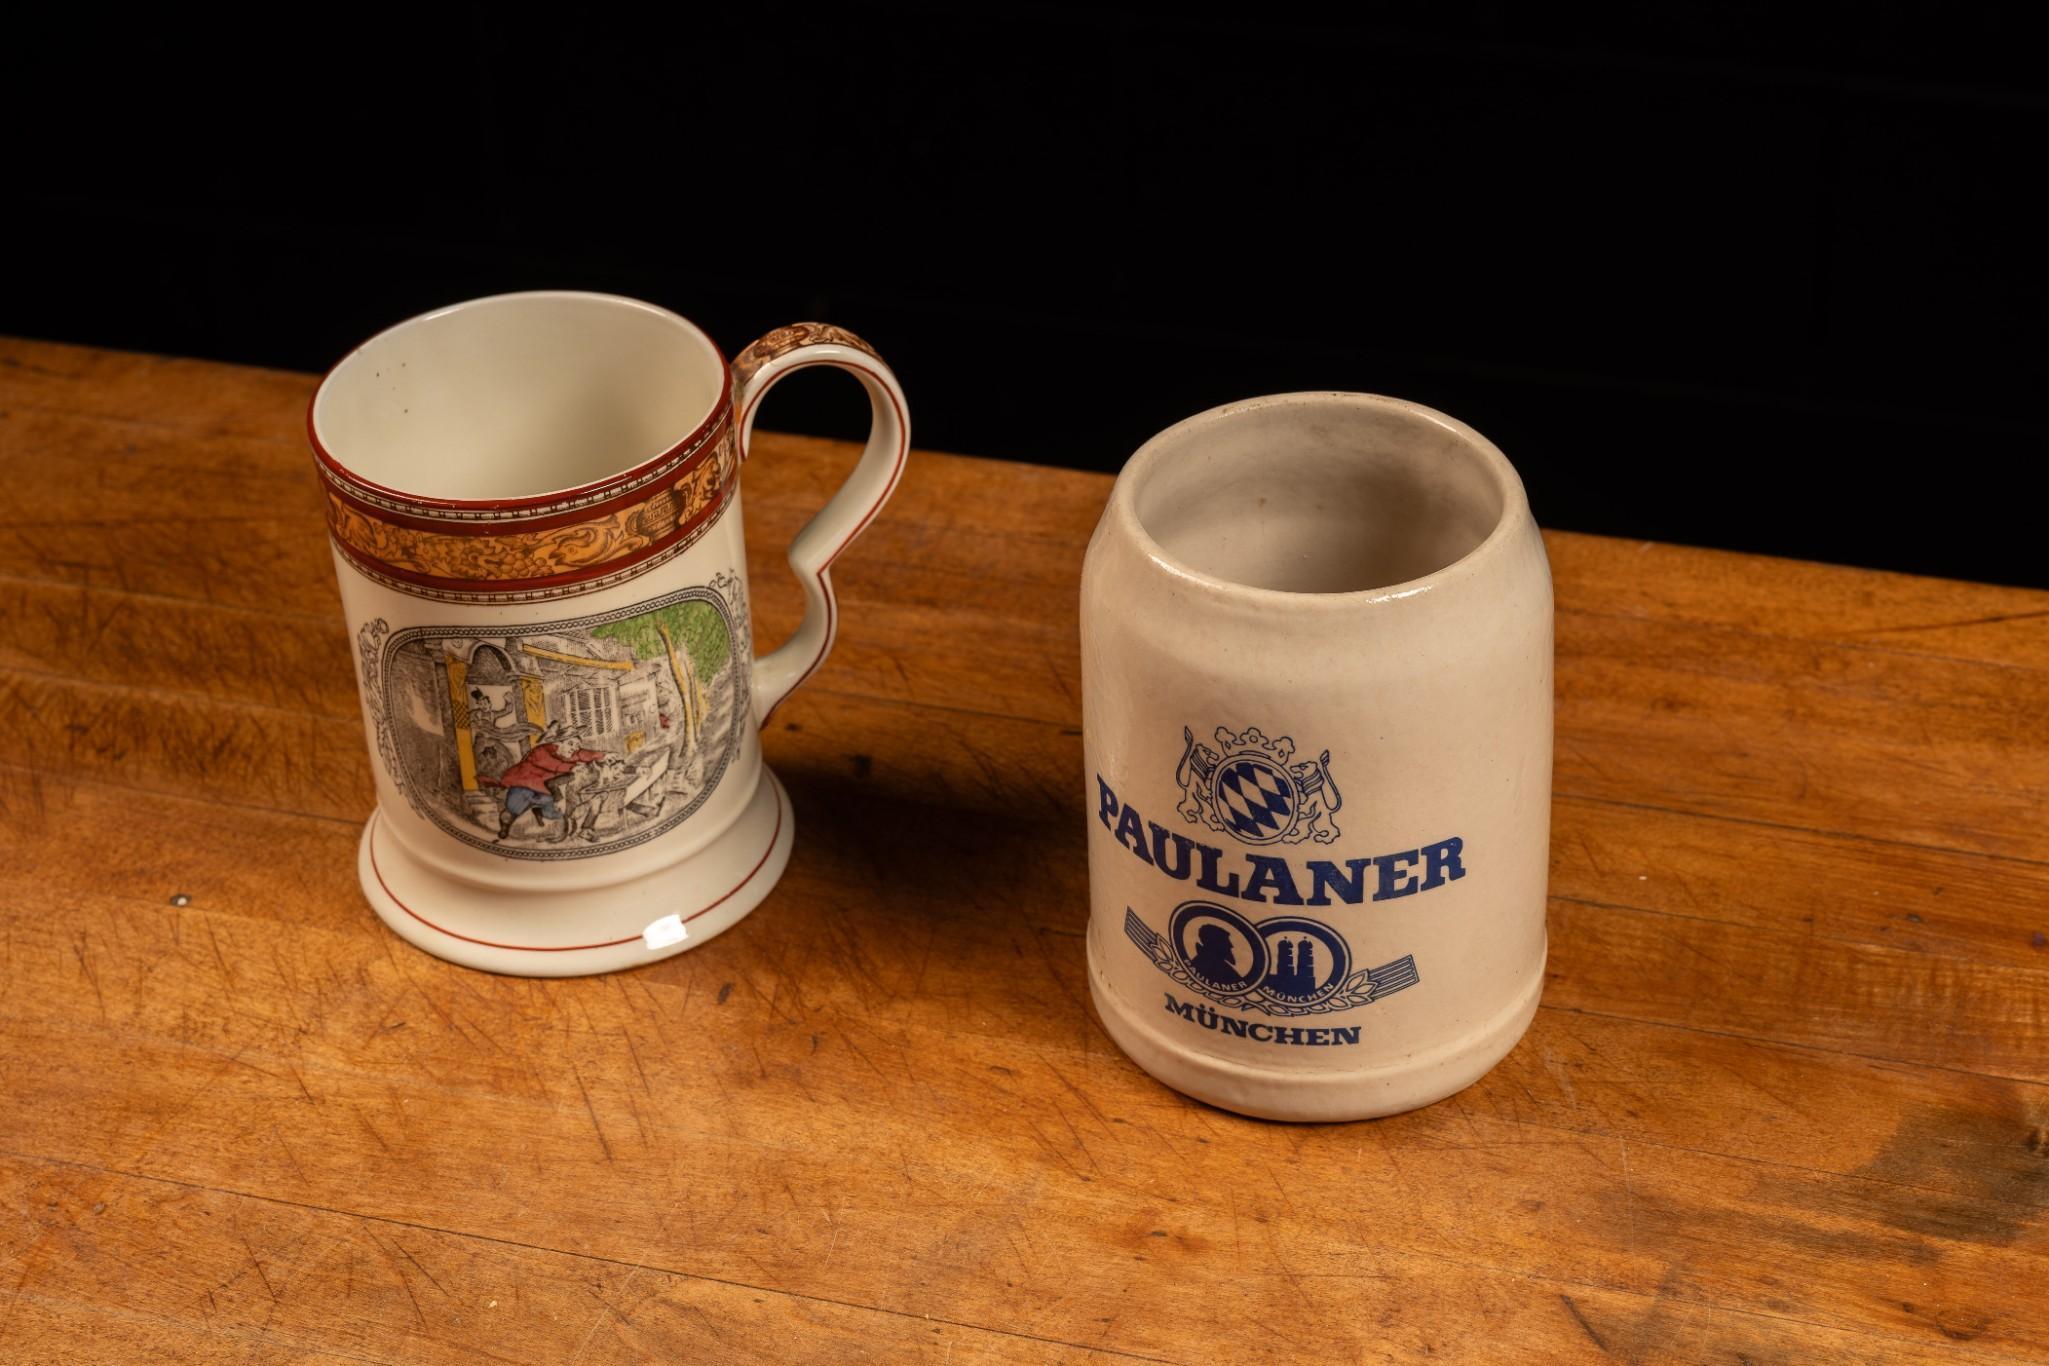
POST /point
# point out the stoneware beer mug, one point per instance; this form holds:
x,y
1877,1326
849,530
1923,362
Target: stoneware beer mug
x,y
1316,667
534,502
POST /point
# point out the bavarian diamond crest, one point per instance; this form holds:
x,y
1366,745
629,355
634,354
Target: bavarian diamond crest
x,y
1256,801
1249,788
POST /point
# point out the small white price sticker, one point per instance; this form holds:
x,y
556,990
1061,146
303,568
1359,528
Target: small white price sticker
x,y
664,932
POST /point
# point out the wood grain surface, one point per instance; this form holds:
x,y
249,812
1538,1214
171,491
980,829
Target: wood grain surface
x,y
1787,1097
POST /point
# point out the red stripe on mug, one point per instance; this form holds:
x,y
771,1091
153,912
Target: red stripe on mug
x,y
425,506
760,863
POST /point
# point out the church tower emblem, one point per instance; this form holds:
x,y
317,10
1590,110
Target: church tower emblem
x,y
1285,965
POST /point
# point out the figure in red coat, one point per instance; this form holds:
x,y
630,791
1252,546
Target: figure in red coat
x,y
554,755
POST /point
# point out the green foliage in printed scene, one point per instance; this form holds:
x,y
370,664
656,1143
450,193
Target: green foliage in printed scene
x,y
696,628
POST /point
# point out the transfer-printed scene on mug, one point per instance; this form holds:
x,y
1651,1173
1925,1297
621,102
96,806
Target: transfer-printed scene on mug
x,y
565,739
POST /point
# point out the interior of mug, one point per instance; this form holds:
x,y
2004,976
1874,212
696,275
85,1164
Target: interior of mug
x,y
517,396
1319,493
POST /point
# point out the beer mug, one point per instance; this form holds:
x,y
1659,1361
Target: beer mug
x,y
1316,674
534,503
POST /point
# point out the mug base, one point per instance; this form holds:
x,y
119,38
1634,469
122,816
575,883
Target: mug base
x,y
574,934
1313,1096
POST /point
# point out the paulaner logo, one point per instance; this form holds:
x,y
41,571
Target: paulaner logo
x,y
1265,878
1286,965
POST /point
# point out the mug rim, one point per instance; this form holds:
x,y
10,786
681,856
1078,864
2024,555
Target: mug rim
x,y
1514,501
580,493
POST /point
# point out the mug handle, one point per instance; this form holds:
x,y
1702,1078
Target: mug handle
x,y
758,369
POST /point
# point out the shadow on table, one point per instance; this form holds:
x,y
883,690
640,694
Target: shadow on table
x,y
879,845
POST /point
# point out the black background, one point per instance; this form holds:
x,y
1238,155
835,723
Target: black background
x,y
1760,276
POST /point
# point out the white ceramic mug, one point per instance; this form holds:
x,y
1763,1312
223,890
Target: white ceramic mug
x,y
1316,671
534,501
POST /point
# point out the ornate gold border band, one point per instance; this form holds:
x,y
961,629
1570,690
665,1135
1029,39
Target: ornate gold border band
x,y
610,542
784,340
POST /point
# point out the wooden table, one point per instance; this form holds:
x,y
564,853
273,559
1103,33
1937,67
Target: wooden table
x,y
1785,1098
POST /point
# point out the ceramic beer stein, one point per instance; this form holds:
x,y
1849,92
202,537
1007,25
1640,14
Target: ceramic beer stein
x,y
534,502
1316,670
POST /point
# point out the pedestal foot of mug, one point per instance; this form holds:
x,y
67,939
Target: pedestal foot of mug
x,y
571,934
1313,1096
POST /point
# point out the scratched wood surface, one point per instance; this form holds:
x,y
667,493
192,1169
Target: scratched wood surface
x,y
1787,1097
